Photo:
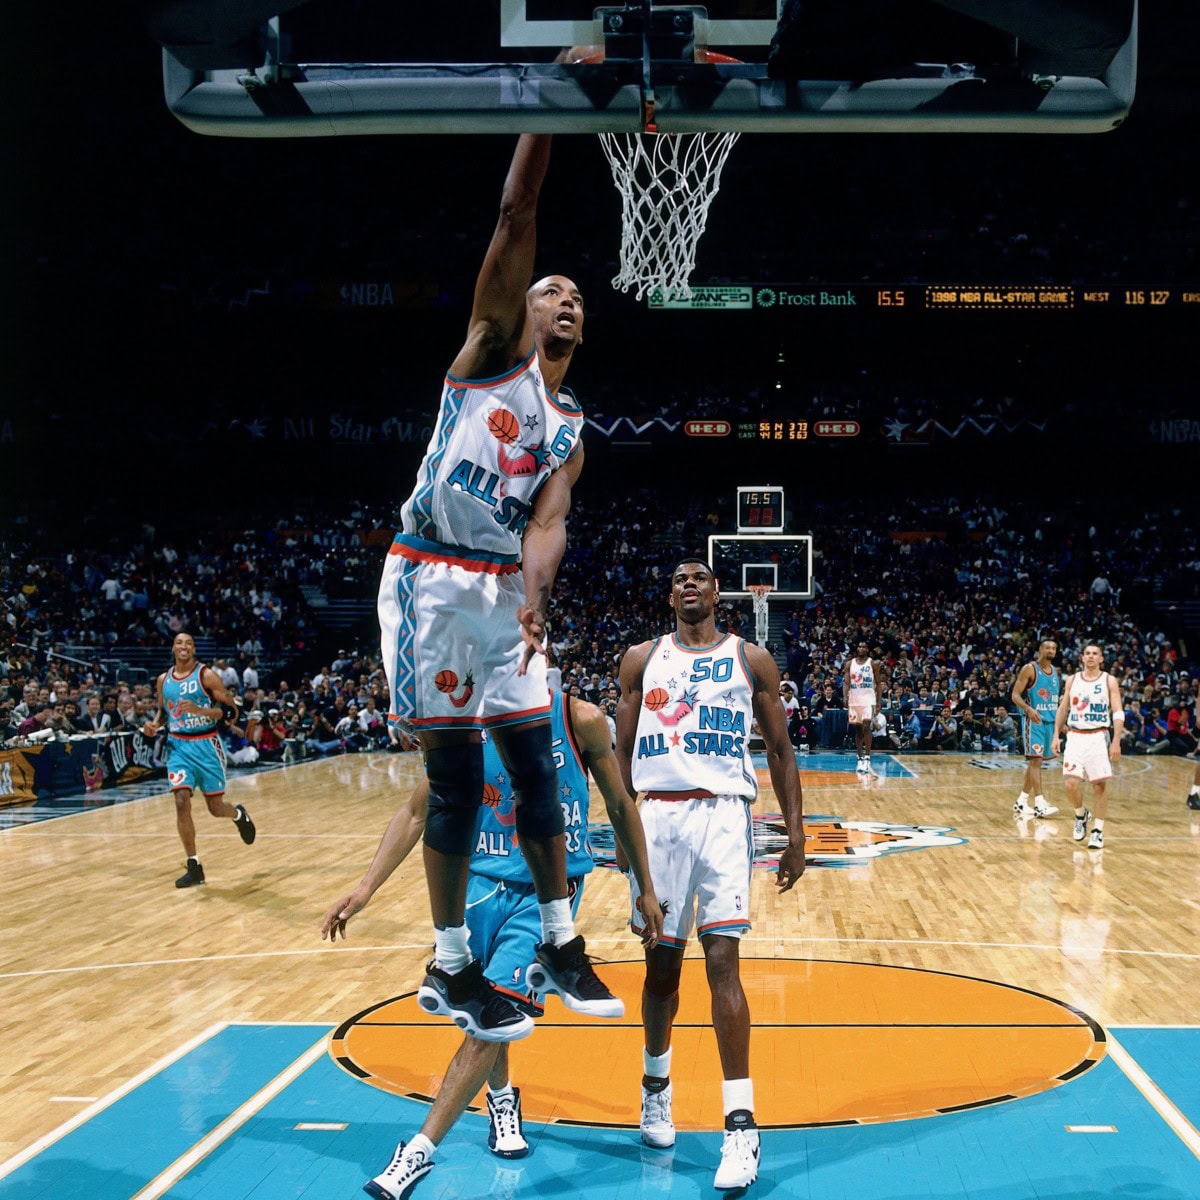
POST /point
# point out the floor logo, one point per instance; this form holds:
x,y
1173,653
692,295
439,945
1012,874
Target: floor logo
x,y
829,841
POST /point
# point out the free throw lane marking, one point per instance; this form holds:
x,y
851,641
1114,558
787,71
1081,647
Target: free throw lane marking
x,y
185,1162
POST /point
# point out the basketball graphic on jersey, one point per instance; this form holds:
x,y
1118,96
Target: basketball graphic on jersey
x,y
445,681
491,795
657,698
1079,703
503,425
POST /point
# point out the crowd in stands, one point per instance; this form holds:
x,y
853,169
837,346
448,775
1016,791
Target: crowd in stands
x,y
951,615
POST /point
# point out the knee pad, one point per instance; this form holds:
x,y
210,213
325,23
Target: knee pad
x,y
529,759
455,793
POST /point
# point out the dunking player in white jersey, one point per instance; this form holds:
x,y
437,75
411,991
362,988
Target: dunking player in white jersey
x,y
683,722
860,681
463,599
1091,703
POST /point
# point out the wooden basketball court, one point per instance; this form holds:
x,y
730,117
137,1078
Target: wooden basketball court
x,y
950,992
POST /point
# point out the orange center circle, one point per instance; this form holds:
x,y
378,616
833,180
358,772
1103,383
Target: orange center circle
x,y
832,1043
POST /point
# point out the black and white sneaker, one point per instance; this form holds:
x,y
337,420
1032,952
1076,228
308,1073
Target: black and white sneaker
x,y
1081,824
245,826
566,970
192,877
408,1167
506,1134
473,1004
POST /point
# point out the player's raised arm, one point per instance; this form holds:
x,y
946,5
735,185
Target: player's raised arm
x,y
500,322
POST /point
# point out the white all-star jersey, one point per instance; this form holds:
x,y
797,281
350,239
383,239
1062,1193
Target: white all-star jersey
x,y
495,444
694,723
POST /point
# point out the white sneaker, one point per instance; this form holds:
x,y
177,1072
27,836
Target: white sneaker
x,y
1081,824
658,1129
861,765
1096,841
1042,809
397,1180
1021,809
739,1159
506,1137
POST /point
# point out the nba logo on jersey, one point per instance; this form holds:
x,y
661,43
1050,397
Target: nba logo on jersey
x,y
737,903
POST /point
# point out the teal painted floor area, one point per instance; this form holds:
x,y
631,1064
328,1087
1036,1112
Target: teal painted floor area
x,y
123,1147
1171,1057
1015,1151
885,765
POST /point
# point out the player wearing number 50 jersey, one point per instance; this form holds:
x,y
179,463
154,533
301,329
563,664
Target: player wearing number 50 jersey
x,y
683,726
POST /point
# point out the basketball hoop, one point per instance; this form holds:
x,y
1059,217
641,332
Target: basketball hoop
x,y
759,595
667,182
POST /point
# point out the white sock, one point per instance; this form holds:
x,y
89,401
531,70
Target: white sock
x,y
500,1093
1098,824
1023,798
1080,811
657,1066
422,1143
737,1093
1039,800
1195,790
558,926
451,948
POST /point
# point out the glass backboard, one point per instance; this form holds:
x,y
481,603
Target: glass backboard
x,y
744,560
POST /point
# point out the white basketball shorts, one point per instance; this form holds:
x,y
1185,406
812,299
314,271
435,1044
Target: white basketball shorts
x,y
452,644
1085,756
700,852
861,706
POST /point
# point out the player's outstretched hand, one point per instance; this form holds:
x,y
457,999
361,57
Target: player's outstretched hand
x,y
791,867
341,912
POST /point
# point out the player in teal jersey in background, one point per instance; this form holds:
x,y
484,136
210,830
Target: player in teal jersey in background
x,y
190,696
1035,692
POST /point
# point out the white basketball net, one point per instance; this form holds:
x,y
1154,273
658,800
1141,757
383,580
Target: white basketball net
x,y
666,181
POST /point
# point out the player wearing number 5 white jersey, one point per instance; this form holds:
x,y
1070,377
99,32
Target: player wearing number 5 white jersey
x,y
683,722
1091,703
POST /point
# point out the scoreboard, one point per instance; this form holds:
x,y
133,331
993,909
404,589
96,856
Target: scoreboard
x,y
760,510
